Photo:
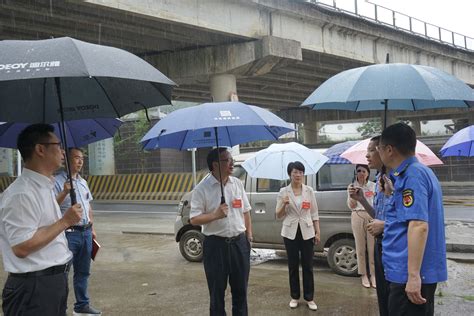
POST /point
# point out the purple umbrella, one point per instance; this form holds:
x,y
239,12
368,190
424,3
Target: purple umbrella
x,y
334,153
460,144
79,132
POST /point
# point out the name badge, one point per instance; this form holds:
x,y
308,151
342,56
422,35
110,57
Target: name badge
x,y
237,203
306,205
369,194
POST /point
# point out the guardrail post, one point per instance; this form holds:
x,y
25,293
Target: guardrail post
x,y
394,19
355,7
375,10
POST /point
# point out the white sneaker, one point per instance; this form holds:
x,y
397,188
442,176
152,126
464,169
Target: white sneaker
x,y
312,306
293,303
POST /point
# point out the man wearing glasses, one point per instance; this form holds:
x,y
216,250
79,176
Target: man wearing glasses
x,y
228,230
32,240
414,245
81,234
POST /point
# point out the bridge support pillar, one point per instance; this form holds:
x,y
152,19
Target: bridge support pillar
x,y
310,132
224,88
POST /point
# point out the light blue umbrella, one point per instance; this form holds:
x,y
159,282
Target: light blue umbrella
x,y
391,87
214,124
460,144
79,133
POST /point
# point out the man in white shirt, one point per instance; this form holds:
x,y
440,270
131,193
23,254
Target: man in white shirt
x,y
32,240
228,230
80,235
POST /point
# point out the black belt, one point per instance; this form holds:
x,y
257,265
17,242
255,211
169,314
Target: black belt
x,y
64,268
80,228
227,239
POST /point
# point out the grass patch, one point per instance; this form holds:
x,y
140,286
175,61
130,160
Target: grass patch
x,y
468,298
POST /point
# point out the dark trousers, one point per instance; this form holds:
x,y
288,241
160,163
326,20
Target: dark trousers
x,y
382,284
399,304
36,295
80,244
227,260
293,250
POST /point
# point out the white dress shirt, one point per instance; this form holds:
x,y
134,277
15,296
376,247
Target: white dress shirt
x,y
207,198
83,194
26,205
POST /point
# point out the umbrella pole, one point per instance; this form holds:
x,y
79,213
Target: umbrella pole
x,y
62,130
385,102
219,163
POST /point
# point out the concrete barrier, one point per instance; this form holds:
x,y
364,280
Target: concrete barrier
x,y
135,187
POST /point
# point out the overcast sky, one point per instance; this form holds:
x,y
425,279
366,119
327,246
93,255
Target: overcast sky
x,y
454,15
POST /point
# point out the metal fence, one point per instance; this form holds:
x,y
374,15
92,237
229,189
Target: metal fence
x,y
388,17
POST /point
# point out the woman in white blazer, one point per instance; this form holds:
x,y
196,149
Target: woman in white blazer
x,y
296,205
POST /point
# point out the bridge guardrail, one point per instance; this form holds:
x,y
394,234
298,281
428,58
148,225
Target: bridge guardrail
x,y
400,21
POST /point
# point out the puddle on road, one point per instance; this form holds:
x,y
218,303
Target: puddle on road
x,y
259,256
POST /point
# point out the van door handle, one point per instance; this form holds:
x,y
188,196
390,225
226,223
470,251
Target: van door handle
x,y
261,211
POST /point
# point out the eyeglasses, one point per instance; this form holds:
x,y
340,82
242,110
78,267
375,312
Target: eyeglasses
x,y
52,143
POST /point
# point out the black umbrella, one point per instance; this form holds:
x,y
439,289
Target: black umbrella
x,y
54,80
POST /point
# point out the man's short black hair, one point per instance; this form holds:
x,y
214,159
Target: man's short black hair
x,y
32,135
401,136
294,165
375,139
213,156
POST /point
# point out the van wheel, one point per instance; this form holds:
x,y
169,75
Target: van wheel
x,y
342,257
190,245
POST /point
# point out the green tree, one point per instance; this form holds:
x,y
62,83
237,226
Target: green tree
x,y
370,128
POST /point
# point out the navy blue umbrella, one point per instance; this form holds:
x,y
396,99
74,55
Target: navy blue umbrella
x,y
215,124
79,133
460,144
391,87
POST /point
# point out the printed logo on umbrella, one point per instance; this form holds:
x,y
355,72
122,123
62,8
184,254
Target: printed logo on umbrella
x,y
19,67
226,115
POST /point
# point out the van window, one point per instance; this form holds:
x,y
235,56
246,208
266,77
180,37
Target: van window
x,y
270,185
335,177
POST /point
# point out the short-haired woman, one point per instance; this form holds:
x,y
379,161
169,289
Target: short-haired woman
x,y
359,219
296,205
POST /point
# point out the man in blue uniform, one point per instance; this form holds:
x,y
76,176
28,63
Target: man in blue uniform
x,y
414,245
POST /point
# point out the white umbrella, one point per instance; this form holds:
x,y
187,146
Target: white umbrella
x,y
272,162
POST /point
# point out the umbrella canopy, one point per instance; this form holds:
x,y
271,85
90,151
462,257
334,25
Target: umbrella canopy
x,y
391,87
79,132
214,124
87,80
61,79
272,162
356,154
334,153
460,144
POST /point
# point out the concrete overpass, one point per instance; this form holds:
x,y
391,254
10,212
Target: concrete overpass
x,y
272,53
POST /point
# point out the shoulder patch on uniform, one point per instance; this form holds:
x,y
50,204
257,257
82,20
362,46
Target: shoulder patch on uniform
x,y
407,197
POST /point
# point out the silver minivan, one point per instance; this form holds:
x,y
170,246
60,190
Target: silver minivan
x,y
337,240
